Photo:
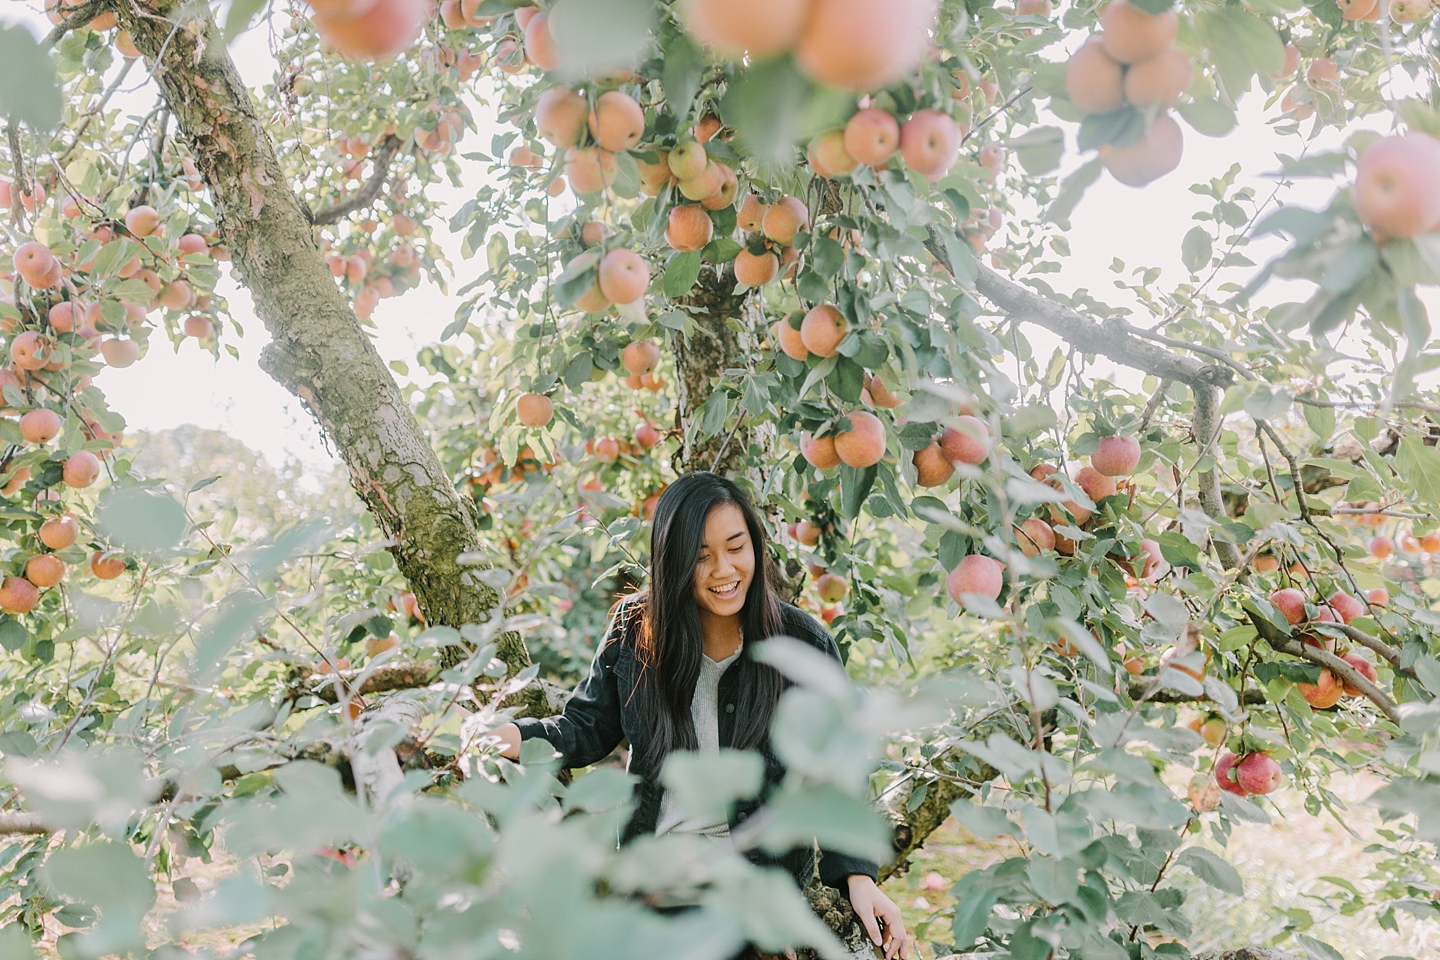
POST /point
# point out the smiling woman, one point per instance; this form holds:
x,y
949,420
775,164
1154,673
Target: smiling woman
x,y
677,671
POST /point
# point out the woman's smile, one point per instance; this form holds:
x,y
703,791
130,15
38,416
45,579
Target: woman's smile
x,y
725,565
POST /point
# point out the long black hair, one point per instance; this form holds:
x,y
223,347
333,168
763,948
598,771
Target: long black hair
x,y
668,638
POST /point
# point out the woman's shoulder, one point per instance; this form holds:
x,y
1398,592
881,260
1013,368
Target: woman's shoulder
x,y
626,616
804,626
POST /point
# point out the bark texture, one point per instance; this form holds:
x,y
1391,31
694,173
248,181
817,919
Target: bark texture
x,y
319,352
700,362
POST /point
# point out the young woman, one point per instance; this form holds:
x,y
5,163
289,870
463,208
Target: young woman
x,y
676,672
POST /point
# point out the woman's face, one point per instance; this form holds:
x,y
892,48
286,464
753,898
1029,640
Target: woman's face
x,y
726,564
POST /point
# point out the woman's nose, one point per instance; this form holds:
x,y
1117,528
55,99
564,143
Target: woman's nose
x,y
723,566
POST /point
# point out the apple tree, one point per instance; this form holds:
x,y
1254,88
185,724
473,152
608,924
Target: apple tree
x,y
1106,612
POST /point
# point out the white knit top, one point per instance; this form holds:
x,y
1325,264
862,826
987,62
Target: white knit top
x,y
705,712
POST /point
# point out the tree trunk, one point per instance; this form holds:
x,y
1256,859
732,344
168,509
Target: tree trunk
x,y
700,363
318,351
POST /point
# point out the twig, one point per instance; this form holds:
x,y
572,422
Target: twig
x,y
1399,404
366,194
1154,404
1294,465
1220,355
95,111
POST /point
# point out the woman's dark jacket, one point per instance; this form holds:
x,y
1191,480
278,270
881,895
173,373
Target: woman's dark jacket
x,y
601,713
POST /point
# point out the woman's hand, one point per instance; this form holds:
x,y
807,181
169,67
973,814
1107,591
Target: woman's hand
x,y
874,909
509,737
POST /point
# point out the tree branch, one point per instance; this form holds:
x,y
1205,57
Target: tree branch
x,y
12,823
318,350
1220,355
365,195
1112,339
1343,671
1207,429
400,676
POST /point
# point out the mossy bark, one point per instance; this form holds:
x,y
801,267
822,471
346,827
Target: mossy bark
x,y
700,362
319,352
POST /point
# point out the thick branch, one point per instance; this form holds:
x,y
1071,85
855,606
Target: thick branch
x,y
365,195
11,823
1343,671
1111,339
400,676
913,826
318,350
1206,433
1251,698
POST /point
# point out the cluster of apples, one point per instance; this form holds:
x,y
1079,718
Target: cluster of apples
x,y
398,272
928,142
968,442
491,471
1134,59
1339,607
1250,774
856,44
369,29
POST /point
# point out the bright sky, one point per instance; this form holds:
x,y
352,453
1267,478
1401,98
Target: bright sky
x,y
1142,227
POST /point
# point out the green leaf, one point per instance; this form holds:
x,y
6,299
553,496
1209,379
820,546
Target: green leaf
x,y
578,371
707,785
1071,191
1419,466
1350,265
681,274
238,19
1039,149
1196,249
113,878
1208,117
827,257
987,823
837,820
1212,869
975,896
593,35
1321,420
605,788
12,633
141,520
577,277
14,944
1120,127
1318,949
29,88
1267,402
1242,45
766,106
714,413
721,250
681,77
812,286
855,486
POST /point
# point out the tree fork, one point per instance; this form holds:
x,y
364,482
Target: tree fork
x,y
318,351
